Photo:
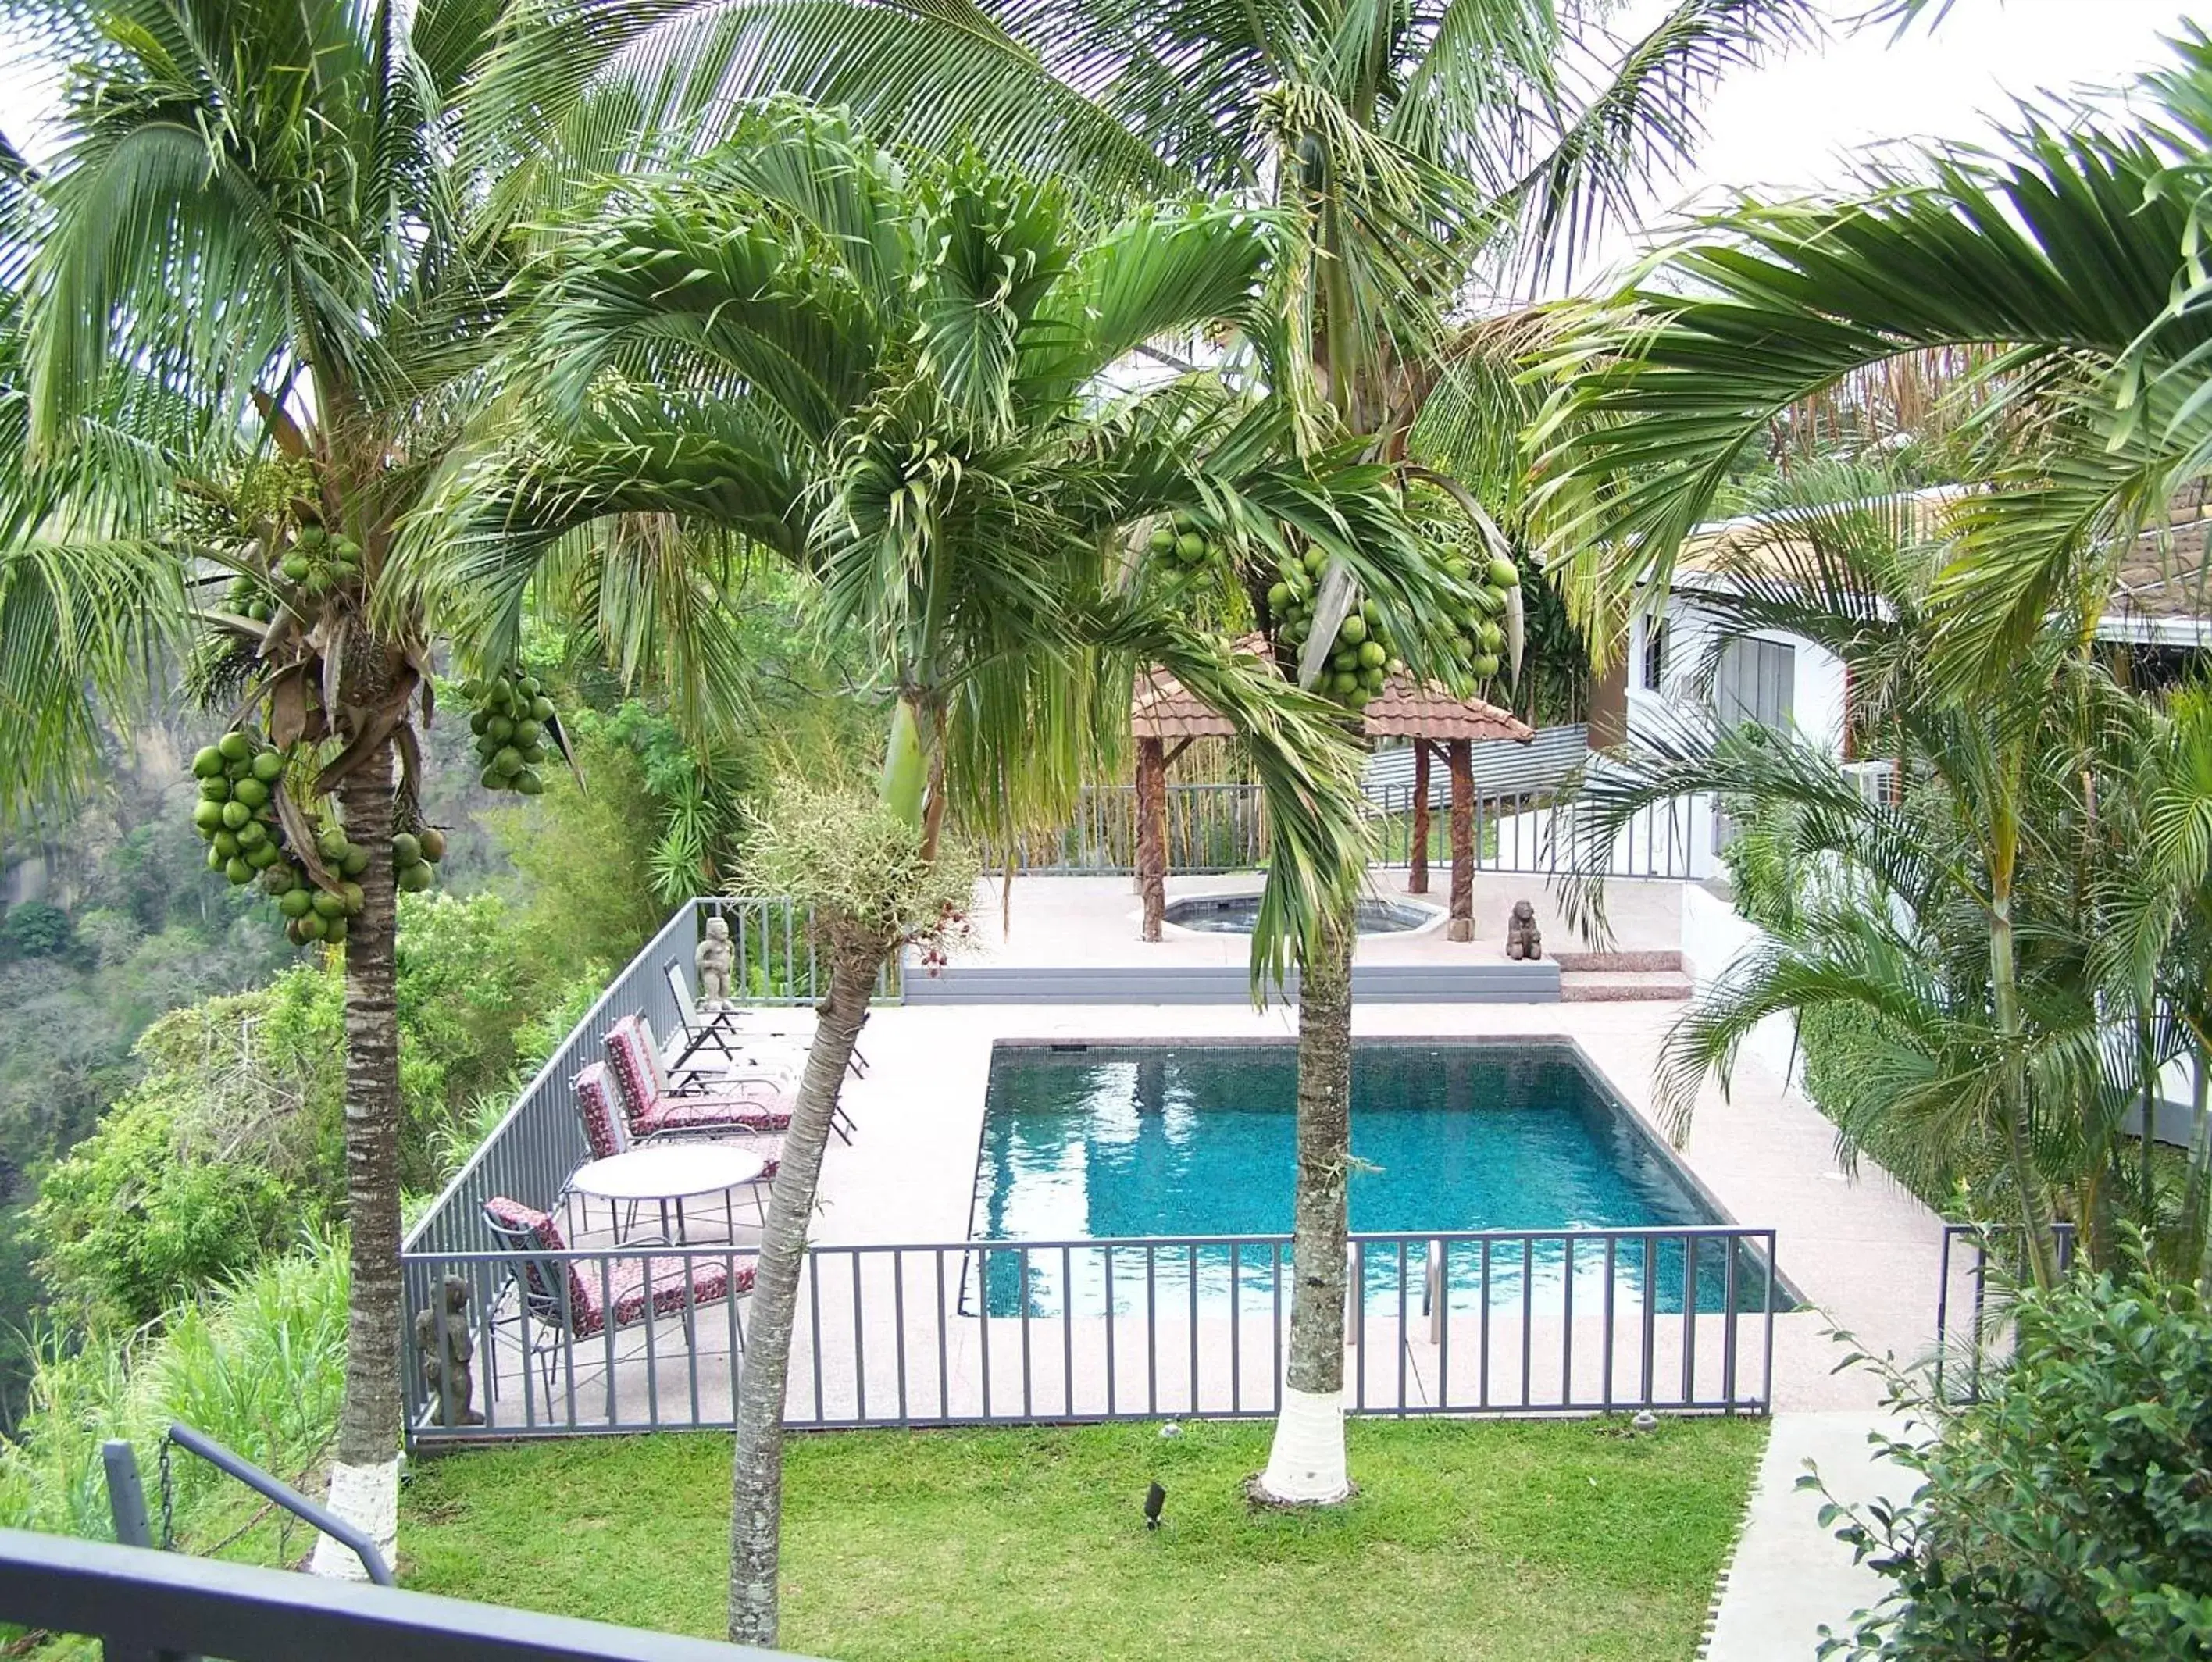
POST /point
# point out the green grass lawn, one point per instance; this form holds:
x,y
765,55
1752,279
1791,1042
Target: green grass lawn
x,y
1529,1541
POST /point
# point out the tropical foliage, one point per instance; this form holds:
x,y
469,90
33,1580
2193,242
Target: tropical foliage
x,y
2062,1513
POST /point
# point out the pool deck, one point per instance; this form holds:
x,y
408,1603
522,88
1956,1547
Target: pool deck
x,y
1862,1253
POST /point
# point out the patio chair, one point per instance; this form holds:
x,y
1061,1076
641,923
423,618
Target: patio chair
x,y
781,1090
607,1132
722,1031
653,1109
572,1300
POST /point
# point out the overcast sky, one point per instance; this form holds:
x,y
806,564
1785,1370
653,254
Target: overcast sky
x,y
1799,124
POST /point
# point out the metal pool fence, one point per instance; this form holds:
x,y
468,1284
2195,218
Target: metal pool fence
x,y
531,1154
1977,1267
1221,827
1494,1323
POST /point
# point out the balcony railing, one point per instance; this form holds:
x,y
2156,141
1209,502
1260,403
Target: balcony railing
x,y
149,1606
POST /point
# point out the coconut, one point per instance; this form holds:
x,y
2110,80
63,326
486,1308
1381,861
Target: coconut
x,y
508,763
331,843
1163,540
1353,630
207,818
354,898
1316,562
251,791
295,903
532,754
234,747
269,766
1483,667
434,844
415,879
1504,573
208,763
406,850
353,862
253,835
499,728
334,932
530,782
263,856
328,905
216,790
238,871
312,928
1372,656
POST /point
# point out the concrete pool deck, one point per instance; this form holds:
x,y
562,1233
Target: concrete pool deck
x,y
1862,1253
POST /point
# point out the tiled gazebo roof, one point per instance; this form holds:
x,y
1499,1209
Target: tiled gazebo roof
x,y
1163,707
1408,709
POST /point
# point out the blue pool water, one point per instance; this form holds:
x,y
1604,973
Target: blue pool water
x,y
1107,1143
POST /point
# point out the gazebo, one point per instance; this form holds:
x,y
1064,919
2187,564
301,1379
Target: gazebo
x,y
1162,712
1165,716
1437,723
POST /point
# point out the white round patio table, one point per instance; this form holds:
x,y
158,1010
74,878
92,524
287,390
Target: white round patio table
x,y
668,1176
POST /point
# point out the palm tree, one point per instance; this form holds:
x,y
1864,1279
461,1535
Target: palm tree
x,y
900,378
242,338
1412,151
2061,276
2020,931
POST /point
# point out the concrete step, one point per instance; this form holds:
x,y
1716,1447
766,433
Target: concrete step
x,y
1638,962
1482,982
1623,986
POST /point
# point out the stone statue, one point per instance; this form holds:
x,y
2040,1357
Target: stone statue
x,y
715,961
447,1356
1521,939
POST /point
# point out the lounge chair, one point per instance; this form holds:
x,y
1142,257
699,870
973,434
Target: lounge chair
x,y
722,1032
736,1087
653,1109
572,1300
607,1133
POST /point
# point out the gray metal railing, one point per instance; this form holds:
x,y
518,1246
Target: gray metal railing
x,y
1221,827
1967,1314
148,1606
531,1152
1677,1319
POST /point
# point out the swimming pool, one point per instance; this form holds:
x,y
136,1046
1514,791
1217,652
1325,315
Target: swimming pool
x,y
1239,914
1097,1143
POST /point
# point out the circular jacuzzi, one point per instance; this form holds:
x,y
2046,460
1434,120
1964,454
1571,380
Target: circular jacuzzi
x,y
1236,914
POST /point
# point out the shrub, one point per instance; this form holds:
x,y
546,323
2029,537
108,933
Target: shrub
x,y
2069,1512
35,930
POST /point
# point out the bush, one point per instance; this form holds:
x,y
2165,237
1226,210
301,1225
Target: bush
x,y
35,930
2069,1512
257,1364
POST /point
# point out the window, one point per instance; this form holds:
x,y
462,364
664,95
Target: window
x,y
1653,670
1755,683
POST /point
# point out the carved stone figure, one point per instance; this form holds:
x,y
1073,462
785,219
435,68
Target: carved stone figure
x,y
447,1354
715,961
1521,939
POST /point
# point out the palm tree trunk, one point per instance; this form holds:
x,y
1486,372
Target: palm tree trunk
x,y
1151,833
757,1472
2035,1214
1307,1461
364,1482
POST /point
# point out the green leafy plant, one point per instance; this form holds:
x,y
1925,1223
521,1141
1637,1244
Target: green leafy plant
x,y
2068,1514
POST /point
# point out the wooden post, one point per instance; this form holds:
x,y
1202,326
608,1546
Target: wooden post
x,y
1417,872
1152,832
1461,927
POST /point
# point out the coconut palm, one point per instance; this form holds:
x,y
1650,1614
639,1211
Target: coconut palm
x,y
903,382
246,327
2062,272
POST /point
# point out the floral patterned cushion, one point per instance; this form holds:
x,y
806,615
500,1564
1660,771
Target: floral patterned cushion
x,y
607,1129
758,1108
516,1218
709,1113
625,1285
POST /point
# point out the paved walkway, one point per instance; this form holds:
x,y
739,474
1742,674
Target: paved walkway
x,y
1790,1575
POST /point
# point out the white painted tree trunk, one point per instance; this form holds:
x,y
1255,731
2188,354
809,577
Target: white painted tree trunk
x,y
367,1497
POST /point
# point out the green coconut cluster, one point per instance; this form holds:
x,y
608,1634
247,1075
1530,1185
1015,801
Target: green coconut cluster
x,y
239,776
1479,642
1361,657
302,571
1183,541
516,728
